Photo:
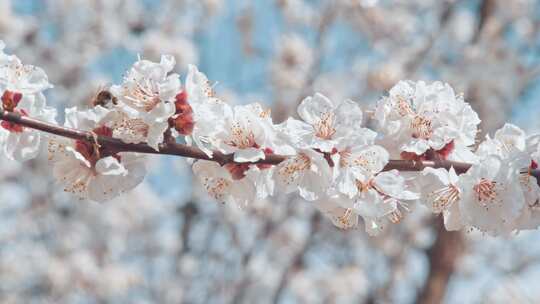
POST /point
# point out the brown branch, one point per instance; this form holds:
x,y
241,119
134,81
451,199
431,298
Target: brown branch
x,y
120,146
171,148
443,257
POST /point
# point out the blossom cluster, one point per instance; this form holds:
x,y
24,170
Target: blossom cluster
x,y
332,160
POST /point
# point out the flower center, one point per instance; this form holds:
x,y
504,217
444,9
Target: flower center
x,y
422,127
485,190
346,220
403,107
444,198
242,138
364,186
143,96
266,113
134,126
297,164
396,215
216,187
344,158
325,126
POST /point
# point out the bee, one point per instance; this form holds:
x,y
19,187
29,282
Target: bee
x,y
103,97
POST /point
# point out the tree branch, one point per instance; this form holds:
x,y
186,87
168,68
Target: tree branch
x,y
171,148
443,257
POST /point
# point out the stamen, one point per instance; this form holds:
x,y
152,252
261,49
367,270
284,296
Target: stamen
x,y
294,166
444,198
363,187
403,106
325,126
216,187
422,127
347,219
396,216
242,137
485,191
143,96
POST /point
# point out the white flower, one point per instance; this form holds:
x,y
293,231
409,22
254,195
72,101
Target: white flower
x,y
292,63
243,134
418,119
91,171
20,78
22,143
198,88
126,127
222,186
21,89
382,197
262,177
530,216
441,194
209,112
356,158
492,197
148,92
273,138
509,143
532,147
376,196
247,133
324,123
307,172
339,209
517,153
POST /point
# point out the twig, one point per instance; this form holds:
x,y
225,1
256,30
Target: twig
x,y
442,256
171,148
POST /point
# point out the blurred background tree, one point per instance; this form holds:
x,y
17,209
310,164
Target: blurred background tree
x,y
166,242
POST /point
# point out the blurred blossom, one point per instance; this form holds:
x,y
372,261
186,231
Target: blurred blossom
x,y
167,242
294,58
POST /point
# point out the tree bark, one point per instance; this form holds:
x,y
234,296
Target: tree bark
x,y
443,257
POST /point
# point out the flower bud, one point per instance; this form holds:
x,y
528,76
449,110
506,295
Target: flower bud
x,y
10,100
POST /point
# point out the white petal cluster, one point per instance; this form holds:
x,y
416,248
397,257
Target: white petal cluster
x,y
324,123
148,94
327,155
138,111
497,195
21,91
89,170
422,121
333,161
